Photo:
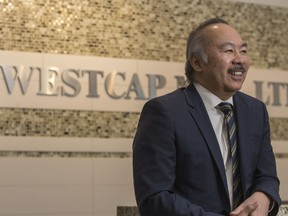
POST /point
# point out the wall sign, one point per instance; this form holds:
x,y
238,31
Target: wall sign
x,y
35,80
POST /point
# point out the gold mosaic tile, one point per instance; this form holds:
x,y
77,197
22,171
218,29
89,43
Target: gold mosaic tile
x,y
279,128
61,154
75,123
67,123
154,30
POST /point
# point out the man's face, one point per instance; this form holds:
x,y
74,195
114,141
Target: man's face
x,y
228,61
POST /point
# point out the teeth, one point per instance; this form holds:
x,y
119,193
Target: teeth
x,y
238,73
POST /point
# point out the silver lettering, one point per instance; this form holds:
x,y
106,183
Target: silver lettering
x,y
70,81
12,73
155,82
181,82
110,84
276,92
258,90
92,84
286,84
135,86
48,81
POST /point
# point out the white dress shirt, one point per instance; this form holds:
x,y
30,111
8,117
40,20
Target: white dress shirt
x,y
217,120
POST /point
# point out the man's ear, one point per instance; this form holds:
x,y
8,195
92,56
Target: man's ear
x,y
195,63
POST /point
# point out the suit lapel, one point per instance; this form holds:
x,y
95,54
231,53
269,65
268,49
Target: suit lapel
x,y
200,115
242,118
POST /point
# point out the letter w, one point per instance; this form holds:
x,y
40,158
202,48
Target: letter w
x,y
13,73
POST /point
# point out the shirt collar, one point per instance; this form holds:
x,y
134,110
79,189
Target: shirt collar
x,y
209,99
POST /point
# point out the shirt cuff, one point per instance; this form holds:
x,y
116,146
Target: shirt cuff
x,y
271,206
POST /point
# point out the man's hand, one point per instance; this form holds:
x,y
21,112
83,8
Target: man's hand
x,y
256,205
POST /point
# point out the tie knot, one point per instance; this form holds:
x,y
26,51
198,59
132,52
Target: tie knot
x,y
225,108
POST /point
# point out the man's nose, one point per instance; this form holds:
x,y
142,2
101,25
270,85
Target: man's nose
x,y
238,57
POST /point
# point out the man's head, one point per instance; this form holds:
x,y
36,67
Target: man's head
x,y
216,57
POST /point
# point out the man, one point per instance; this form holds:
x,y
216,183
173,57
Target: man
x,y
182,163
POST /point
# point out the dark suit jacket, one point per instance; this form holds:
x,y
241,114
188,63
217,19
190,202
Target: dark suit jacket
x,y
177,164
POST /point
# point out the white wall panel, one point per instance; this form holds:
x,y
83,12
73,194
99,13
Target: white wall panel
x,y
45,171
36,200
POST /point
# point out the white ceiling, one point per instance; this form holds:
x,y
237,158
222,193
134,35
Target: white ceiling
x,y
278,3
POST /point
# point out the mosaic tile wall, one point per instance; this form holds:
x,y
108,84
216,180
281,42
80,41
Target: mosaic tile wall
x,y
66,123
69,123
142,29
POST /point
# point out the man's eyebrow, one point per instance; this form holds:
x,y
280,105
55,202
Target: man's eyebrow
x,y
244,45
233,44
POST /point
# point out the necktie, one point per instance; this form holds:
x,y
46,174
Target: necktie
x,y
227,110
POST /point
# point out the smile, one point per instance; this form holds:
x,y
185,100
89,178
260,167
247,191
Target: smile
x,y
236,73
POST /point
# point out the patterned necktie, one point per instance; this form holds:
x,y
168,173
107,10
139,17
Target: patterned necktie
x,y
227,110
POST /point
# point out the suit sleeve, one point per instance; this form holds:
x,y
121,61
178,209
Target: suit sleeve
x,y
265,176
154,162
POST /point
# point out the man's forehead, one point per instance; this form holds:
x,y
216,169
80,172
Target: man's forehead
x,y
221,32
218,27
